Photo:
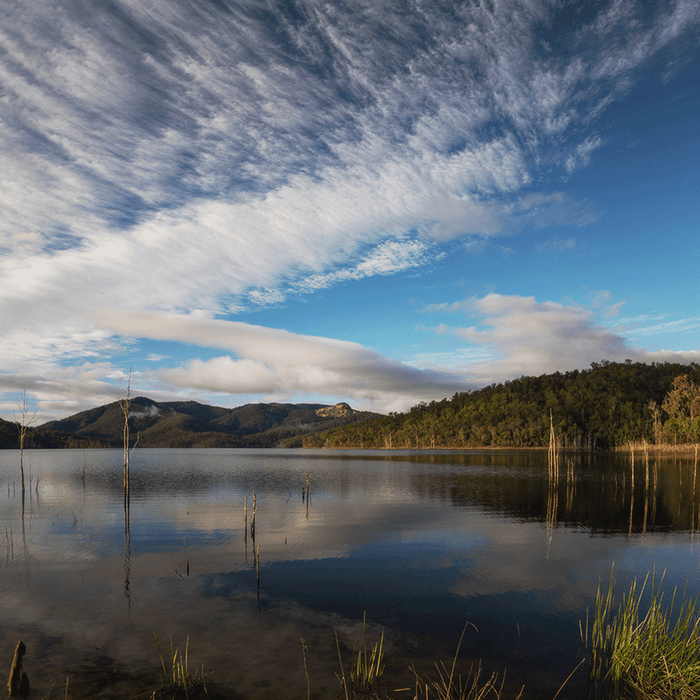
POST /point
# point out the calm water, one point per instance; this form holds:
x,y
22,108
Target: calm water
x,y
424,542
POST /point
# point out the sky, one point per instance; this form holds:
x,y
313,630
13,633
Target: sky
x,y
377,202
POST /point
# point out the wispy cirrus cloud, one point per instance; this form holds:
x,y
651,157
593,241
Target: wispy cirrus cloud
x,y
554,244
387,258
185,158
157,114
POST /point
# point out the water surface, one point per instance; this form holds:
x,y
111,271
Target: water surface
x,y
423,542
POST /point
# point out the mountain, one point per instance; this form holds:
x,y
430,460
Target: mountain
x,y
37,438
187,424
609,405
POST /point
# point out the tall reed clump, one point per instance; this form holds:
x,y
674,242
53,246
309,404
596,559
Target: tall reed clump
x,y
643,650
178,682
448,686
366,669
367,676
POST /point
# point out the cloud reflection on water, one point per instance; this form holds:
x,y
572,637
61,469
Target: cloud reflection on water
x,y
422,543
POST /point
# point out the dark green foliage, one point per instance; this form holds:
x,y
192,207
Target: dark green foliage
x,y
682,406
605,406
37,438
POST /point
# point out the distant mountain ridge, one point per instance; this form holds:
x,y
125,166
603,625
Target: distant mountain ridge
x,y
187,424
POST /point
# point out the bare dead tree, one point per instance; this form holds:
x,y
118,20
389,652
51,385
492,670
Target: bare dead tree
x,y
23,420
125,405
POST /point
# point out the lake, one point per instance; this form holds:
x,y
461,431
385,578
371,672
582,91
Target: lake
x,y
422,542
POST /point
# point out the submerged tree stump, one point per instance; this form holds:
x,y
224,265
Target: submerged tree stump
x,y
18,682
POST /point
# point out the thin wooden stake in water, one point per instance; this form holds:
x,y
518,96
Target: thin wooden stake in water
x,y
245,527
306,670
252,524
552,455
257,573
124,404
631,494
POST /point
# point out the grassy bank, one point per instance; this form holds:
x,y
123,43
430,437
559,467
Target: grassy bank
x,y
643,646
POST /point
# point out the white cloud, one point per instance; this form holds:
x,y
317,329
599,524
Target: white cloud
x,y
272,361
162,156
582,155
674,326
517,336
602,302
66,390
556,244
526,337
387,258
155,357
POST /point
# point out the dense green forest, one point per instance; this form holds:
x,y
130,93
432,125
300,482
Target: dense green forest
x,y
607,406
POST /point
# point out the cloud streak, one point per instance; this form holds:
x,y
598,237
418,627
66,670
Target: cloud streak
x,y
270,361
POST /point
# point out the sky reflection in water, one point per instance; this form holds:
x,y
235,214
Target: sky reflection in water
x,y
424,542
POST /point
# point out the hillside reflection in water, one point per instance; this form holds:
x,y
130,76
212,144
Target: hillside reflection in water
x,y
422,541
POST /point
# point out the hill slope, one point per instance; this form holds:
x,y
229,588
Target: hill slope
x,y
608,405
187,424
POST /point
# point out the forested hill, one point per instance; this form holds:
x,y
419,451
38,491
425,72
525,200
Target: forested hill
x,y
186,424
605,406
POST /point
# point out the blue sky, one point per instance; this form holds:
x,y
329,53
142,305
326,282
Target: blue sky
x,y
378,203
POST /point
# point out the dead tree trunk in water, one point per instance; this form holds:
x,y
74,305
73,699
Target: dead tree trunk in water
x,y
124,404
18,682
24,420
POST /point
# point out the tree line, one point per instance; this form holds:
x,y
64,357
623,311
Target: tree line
x,y
609,405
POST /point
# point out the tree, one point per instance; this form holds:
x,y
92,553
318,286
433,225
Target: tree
x,y
23,420
656,415
125,404
682,404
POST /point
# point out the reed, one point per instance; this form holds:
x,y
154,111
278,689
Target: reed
x,y
178,682
473,686
448,686
646,651
367,674
304,649
366,668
